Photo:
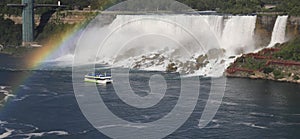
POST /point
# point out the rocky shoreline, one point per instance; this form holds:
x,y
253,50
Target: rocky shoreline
x,y
259,77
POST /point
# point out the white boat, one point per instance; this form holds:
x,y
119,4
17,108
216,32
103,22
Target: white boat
x,y
98,78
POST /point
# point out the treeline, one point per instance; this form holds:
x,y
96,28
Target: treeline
x,y
226,6
291,7
56,32
10,33
70,5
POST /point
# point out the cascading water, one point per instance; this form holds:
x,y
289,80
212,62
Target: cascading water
x,y
238,34
216,23
279,31
156,41
138,33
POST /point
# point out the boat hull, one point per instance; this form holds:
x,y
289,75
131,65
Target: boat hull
x,y
98,81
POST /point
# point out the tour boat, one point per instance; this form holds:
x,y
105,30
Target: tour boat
x,y
98,78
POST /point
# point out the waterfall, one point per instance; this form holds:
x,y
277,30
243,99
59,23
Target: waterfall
x,y
155,41
278,34
185,29
216,23
175,39
238,34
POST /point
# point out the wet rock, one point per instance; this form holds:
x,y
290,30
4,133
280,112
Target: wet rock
x,y
171,68
201,58
231,57
1,47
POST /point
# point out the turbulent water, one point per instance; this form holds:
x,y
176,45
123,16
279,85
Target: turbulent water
x,y
45,107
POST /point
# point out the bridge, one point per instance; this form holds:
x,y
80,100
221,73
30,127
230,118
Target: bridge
x,y
28,7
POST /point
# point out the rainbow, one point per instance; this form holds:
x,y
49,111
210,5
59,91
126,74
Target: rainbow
x,y
36,58
55,42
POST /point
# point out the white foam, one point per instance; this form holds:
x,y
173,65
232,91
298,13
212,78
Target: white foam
x,y
22,98
254,125
7,92
212,69
7,133
261,114
30,135
121,125
66,58
40,134
3,122
8,95
60,133
230,103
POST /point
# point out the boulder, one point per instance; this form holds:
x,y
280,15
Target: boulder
x,y
1,47
171,68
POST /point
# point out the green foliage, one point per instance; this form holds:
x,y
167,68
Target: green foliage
x,y
278,74
253,64
51,29
226,6
292,7
268,70
11,34
290,51
9,10
289,6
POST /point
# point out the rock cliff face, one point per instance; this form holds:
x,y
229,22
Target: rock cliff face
x,y
265,25
293,27
263,30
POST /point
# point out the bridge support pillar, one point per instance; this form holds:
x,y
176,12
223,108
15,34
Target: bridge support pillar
x,y
28,22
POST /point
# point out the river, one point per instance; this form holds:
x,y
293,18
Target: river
x,y
43,105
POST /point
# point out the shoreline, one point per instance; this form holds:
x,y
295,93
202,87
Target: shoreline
x,y
266,79
18,51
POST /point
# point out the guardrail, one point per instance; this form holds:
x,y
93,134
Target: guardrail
x,y
261,55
